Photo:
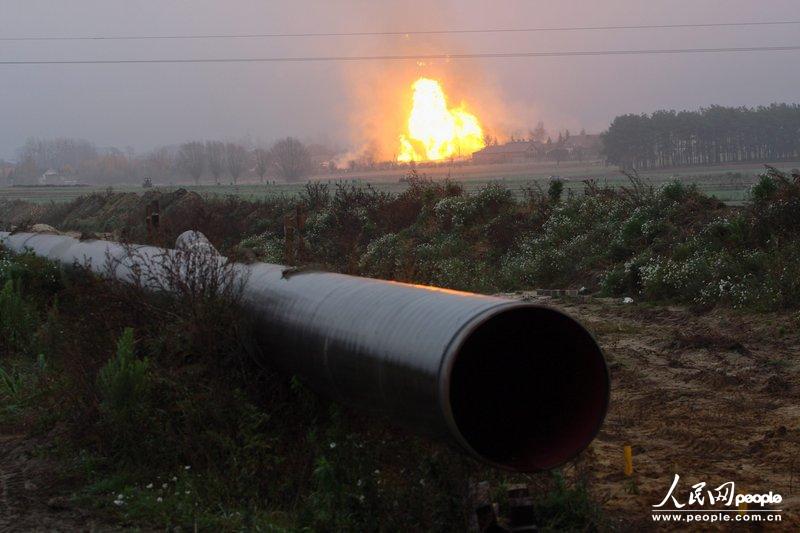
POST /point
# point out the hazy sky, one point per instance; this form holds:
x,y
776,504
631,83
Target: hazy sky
x,y
346,104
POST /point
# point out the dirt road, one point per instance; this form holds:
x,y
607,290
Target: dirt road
x,y
713,397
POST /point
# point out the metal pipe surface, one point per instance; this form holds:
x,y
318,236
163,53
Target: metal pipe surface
x,y
520,386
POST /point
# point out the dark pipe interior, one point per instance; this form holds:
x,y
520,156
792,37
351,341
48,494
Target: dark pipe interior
x,y
529,388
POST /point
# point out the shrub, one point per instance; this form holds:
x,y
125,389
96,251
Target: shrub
x,y
567,507
674,192
555,190
384,257
316,195
453,211
264,247
17,319
10,388
124,385
636,239
36,276
764,190
774,207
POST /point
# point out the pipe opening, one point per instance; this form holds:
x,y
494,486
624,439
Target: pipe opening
x,y
529,388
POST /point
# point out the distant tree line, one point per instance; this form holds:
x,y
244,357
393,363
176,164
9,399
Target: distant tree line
x,y
81,160
712,135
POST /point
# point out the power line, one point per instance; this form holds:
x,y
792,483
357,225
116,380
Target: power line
x,y
401,33
424,57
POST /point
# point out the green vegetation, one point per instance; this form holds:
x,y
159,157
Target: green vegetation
x,y
659,243
710,136
16,320
727,182
162,417
124,387
670,243
165,414
566,506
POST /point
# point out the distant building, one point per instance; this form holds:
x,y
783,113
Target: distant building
x,y
50,177
583,147
511,152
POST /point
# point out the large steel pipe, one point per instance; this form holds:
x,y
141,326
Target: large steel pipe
x,y
520,386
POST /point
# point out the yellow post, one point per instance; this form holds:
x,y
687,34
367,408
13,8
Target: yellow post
x,y
628,453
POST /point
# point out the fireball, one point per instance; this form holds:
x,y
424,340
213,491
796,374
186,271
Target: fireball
x,y
435,132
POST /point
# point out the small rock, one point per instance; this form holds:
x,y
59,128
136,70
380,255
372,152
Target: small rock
x,y
43,228
627,300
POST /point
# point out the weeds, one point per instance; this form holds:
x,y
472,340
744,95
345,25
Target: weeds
x,y
17,320
670,243
566,507
264,453
200,436
11,385
124,387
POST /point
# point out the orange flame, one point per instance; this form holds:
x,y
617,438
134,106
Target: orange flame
x,y
436,132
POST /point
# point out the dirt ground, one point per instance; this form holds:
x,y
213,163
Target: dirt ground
x,y
713,397
33,494
710,396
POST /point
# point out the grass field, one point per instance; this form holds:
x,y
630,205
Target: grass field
x,y
728,183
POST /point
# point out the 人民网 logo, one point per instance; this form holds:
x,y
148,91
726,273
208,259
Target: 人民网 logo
x,y
700,502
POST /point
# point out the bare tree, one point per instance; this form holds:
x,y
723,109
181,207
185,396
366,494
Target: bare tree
x,y
539,134
291,158
158,163
215,155
61,154
235,160
25,172
263,161
192,159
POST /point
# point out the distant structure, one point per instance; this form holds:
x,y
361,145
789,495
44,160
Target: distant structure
x,y
583,147
52,178
49,177
147,183
512,152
